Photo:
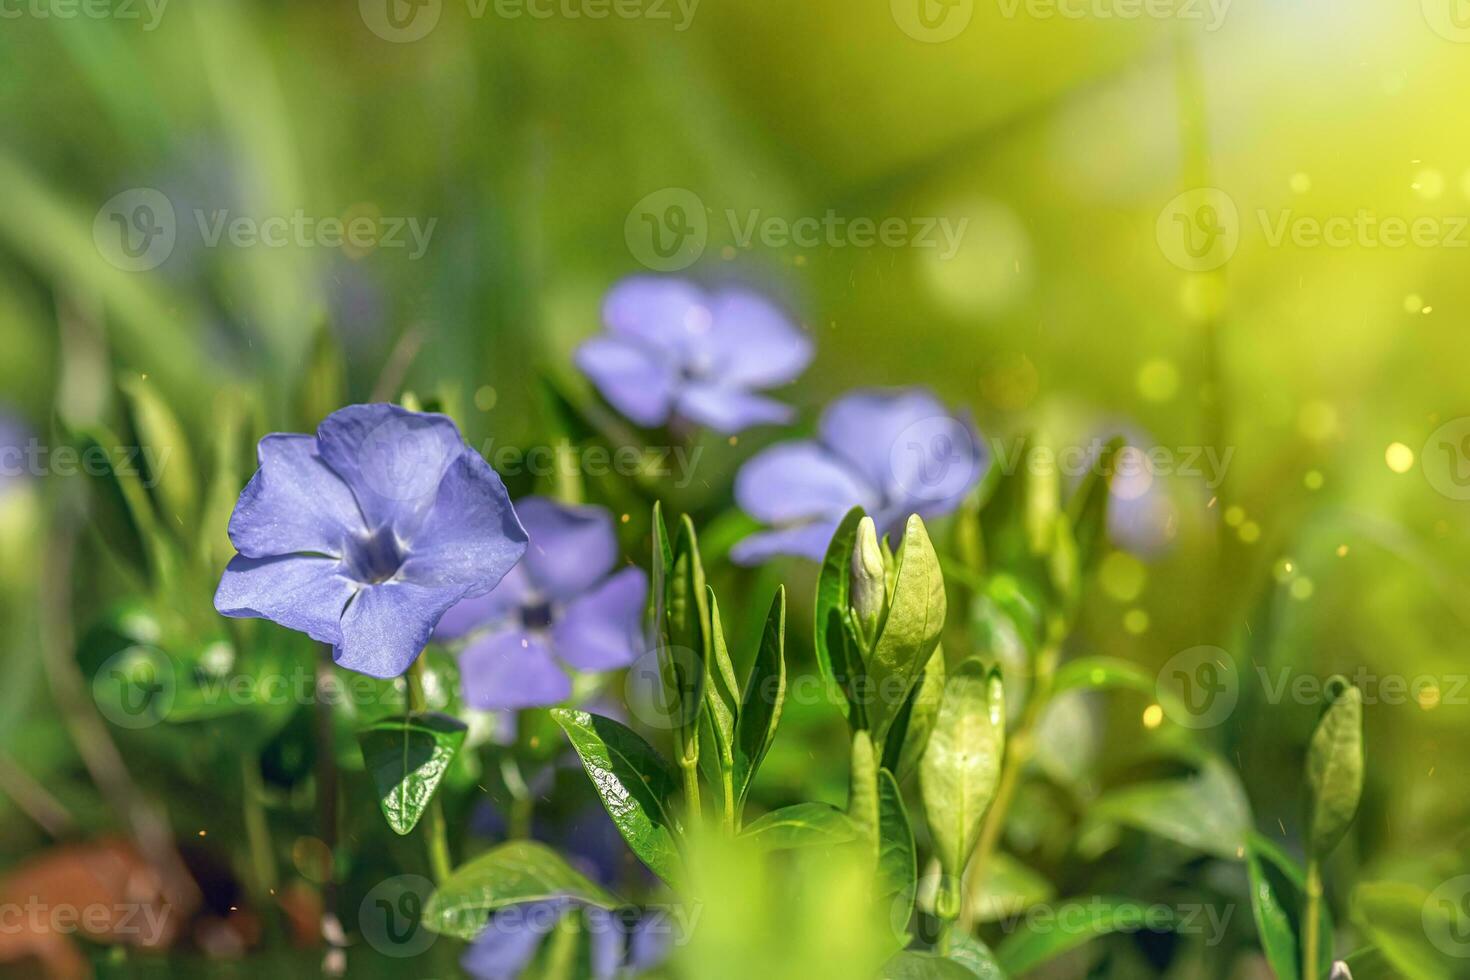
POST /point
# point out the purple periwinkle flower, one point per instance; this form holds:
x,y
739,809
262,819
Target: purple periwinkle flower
x,y
673,350
15,441
563,602
365,534
620,943
894,452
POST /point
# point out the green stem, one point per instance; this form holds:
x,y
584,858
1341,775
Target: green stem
x,y
522,805
1019,746
440,862
1312,927
690,768
728,779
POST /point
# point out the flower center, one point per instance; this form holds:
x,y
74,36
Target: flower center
x,y
375,558
536,616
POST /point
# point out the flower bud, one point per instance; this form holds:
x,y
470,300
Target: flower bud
x,y
869,581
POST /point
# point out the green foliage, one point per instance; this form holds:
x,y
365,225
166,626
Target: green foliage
x,y
1335,765
407,757
635,783
511,874
802,825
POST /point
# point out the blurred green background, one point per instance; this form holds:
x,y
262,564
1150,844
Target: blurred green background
x,y
1332,373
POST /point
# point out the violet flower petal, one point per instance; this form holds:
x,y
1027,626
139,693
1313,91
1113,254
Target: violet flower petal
x,y
633,380
300,592
792,481
729,410
392,459
754,343
293,503
387,625
603,629
668,315
471,537
571,548
497,604
808,540
511,669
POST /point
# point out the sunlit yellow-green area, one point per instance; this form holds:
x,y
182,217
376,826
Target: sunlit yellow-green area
x,y
1235,231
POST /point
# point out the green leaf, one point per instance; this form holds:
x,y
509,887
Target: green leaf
x,y
1273,921
834,584
635,783
910,631
721,704
909,735
1413,929
975,956
1289,881
513,873
121,511
924,966
898,870
686,643
1042,938
1208,812
323,387
802,825
760,708
407,756
960,770
1335,766
174,478
1103,673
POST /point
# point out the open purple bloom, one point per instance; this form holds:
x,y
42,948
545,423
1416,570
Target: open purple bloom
x,y
559,604
621,943
15,466
893,452
673,350
365,534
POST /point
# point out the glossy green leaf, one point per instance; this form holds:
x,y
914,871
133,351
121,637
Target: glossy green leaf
x,y
1289,881
909,735
1335,766
1273,921
1413,929
910,631
924,966
407,757
636,785
1208,812
897,861
1041,939
960,770
802,825
834,585
511,874
173,476
765,694
721,704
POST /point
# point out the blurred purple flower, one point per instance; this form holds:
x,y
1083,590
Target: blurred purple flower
x,y
674,350
15,438
621,945
1142,517
363,535
893,452
559,603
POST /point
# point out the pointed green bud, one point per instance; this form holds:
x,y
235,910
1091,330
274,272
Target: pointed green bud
x,y
869,578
